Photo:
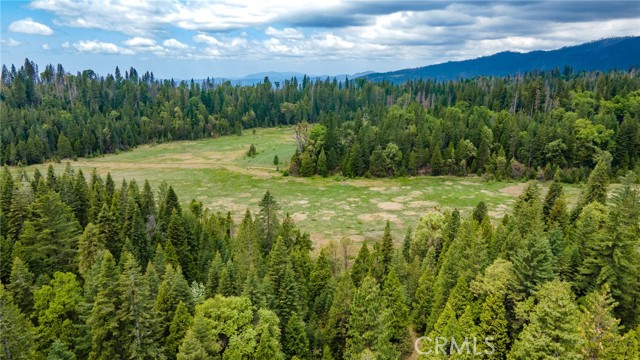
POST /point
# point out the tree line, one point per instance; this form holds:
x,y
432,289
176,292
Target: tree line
x,y
523,126
90,269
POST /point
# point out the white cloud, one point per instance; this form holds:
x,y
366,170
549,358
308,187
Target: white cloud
x,y
66,45
10,42
95,46
45,46
206,39
286,33
28,26
367,30
174,44
140,41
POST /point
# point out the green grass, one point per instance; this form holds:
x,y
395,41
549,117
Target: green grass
x,y
218,173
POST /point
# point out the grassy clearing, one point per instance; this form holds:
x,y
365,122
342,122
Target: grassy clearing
x,y
217,172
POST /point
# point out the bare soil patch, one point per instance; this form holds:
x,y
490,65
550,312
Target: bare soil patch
x,y
392,206
514,190
422,203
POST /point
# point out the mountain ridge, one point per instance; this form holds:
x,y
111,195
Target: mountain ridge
x,y
604,54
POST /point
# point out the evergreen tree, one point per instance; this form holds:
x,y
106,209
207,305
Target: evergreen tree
x,y
480,212
89,247
55,307
552,331
386,250
533,265
16,333
172,290
599,330
394,297
179,325
21,282
268,221
322,166
136,319
362,265
178,235
52,244
109,232
64,149
103,321
296,342
60,351
268,335
337,327
494,325
423,299
369,333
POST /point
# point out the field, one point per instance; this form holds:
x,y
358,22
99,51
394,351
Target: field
x,y
218,173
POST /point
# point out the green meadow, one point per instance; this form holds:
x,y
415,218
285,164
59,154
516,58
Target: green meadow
x,y
218,173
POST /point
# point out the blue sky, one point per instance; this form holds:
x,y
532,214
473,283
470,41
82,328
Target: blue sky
x,y
196,38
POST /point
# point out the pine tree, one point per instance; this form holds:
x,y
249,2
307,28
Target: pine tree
x,y
369,333
555,192
89,247
494,325
362,265
599,330
337,326
423,299
386,250
60,351
436,161
394,297
480,212
177,330
322,167
620,257
55,307
53,245
296,342
533,265
6,192
103,321
268,335
109,232
552,331
172,290
213,276
178,235
268,221
136,318
16,333
596,187
20,284
64,149
80,203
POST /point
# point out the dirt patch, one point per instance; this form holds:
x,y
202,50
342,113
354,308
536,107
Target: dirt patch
x,y
468,183
377,188
390,206
381,216
422,203
299,216
514,190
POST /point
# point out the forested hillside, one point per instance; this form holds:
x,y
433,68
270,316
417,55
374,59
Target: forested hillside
x,y
619,53
95,270
517,126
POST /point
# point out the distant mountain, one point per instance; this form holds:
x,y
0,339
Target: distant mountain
x,y
613,53
274,76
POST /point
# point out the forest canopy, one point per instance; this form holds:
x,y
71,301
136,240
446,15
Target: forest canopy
x,y
524,126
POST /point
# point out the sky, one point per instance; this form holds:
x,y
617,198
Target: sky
x,y
186,39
